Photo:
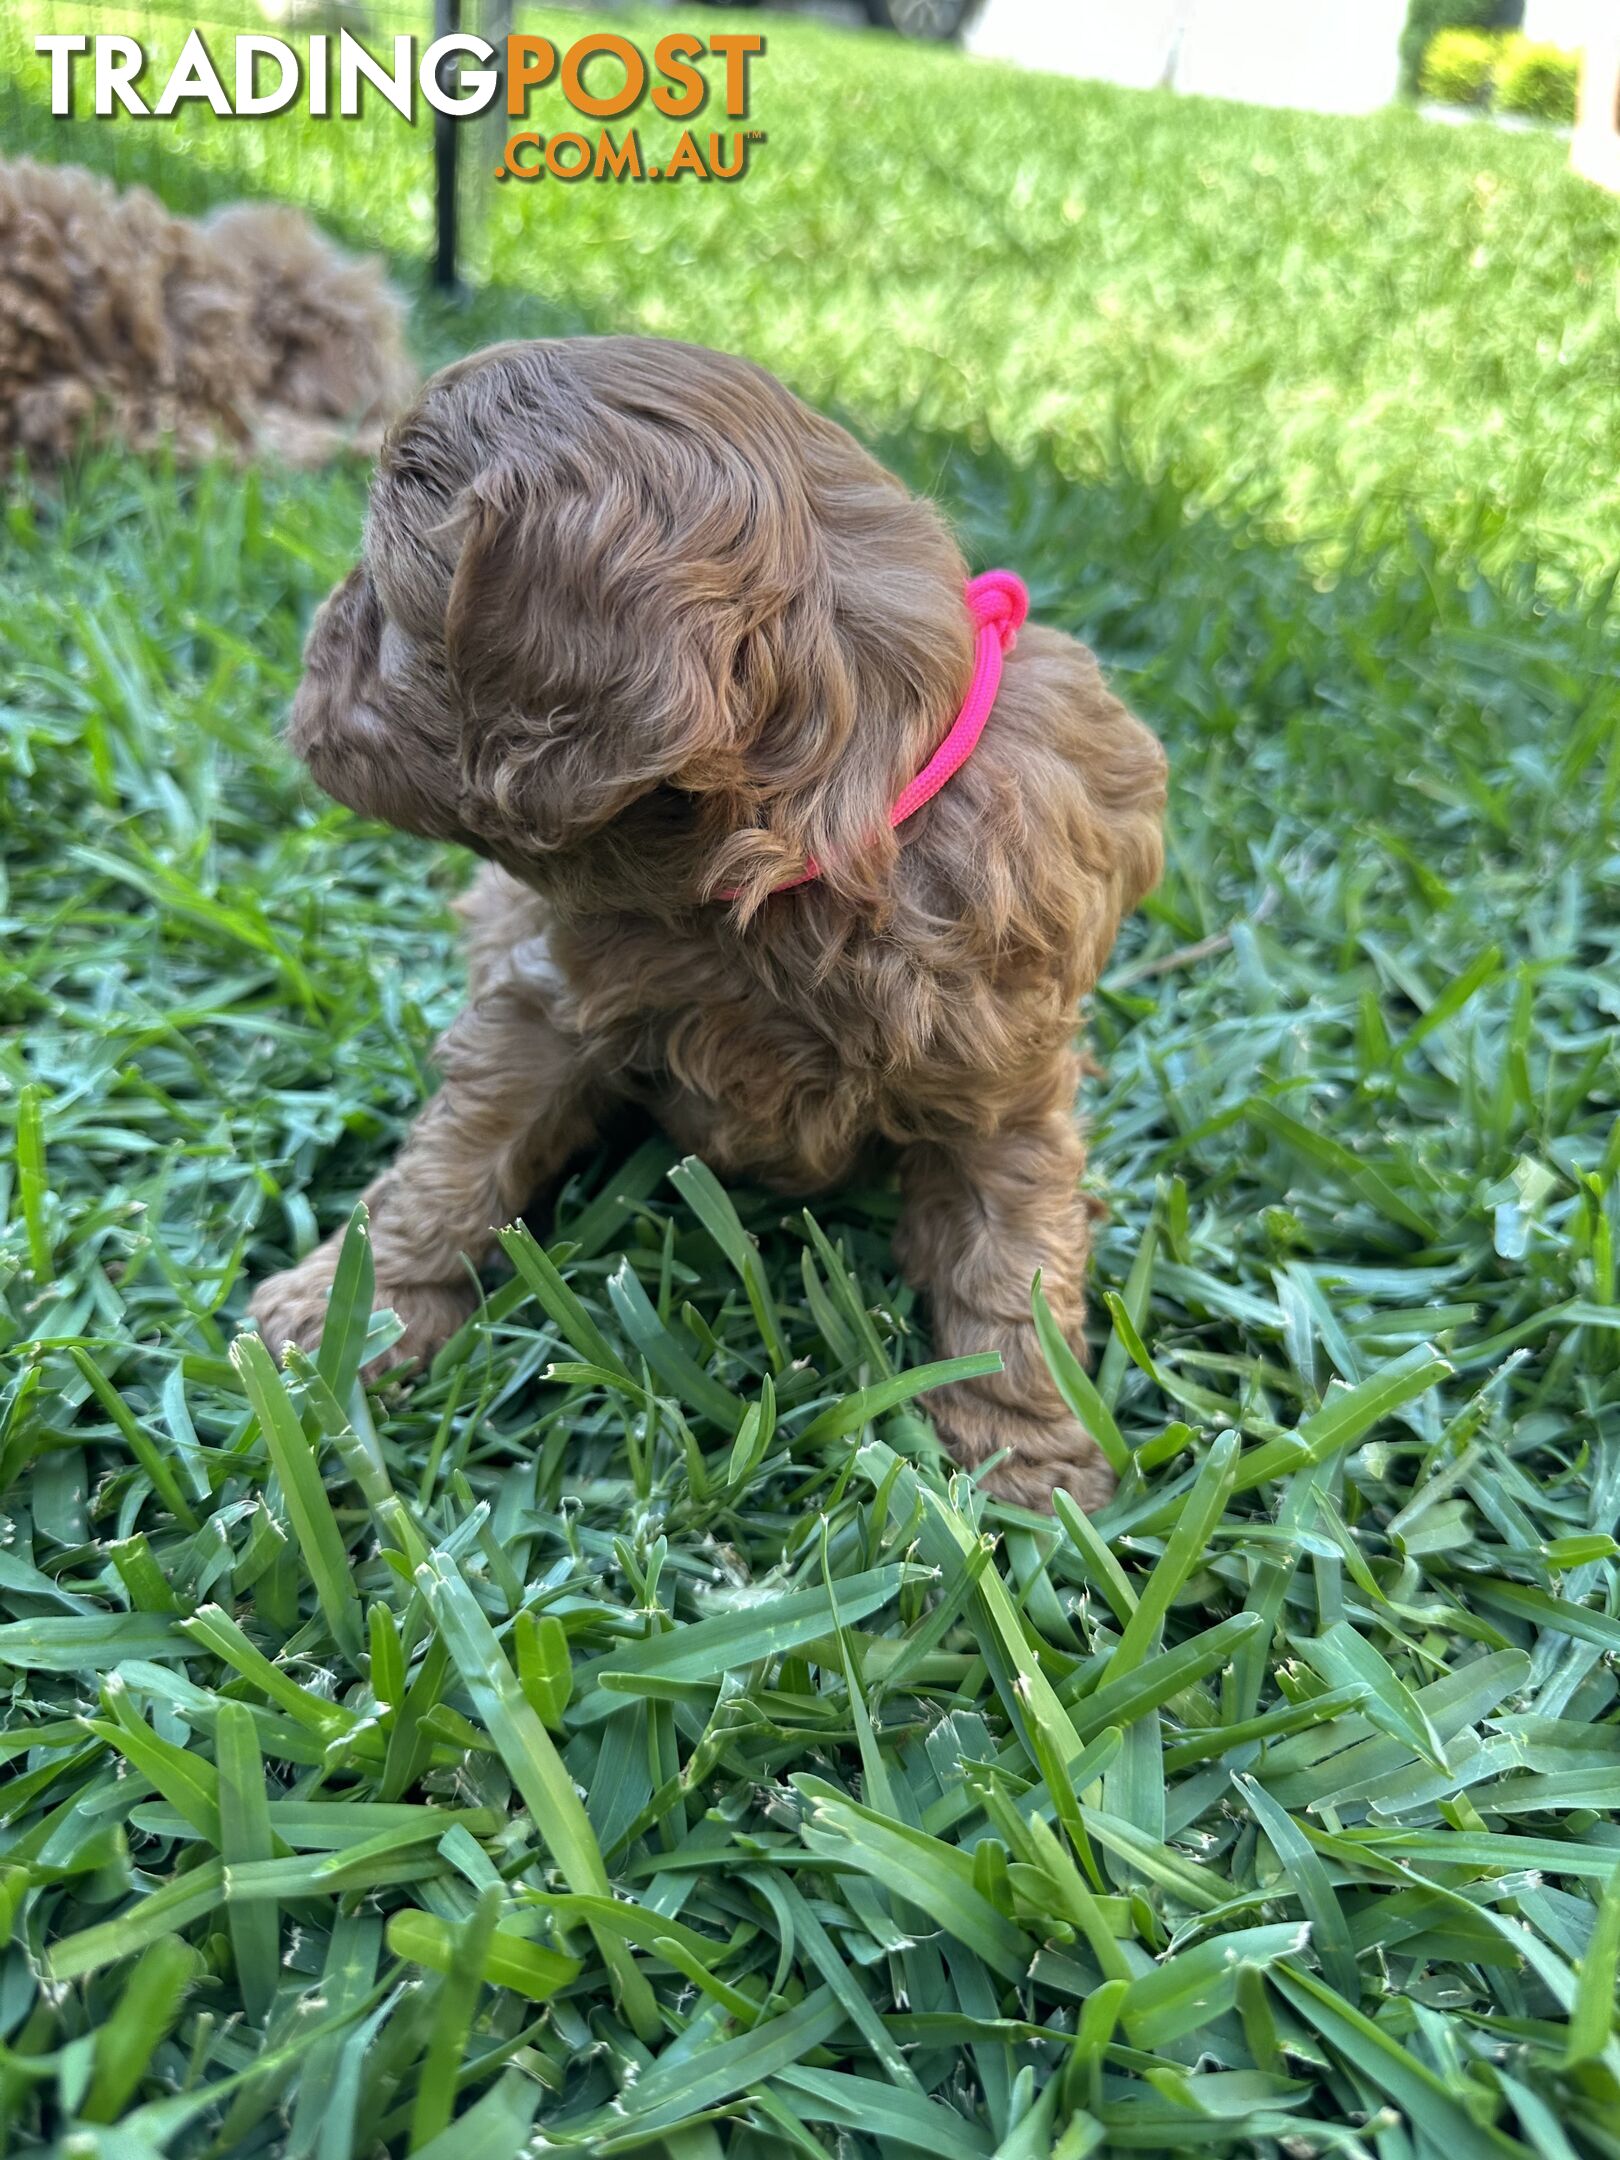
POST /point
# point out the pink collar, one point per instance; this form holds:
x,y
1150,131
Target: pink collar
x,y
999,603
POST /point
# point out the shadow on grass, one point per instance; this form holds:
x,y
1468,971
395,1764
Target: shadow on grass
x,y
1385,764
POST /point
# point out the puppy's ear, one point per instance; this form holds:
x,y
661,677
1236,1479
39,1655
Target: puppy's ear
x,y
593,639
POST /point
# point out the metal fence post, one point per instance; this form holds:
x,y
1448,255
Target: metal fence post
x,y
446,148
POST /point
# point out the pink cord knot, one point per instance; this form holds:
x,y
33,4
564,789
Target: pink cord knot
x,y
1000,602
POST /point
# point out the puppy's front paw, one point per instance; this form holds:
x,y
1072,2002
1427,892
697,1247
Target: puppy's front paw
x,y
1087,1478
1039,1456
430,1314
291,1308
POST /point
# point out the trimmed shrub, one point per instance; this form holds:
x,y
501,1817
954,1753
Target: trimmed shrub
x,y
1459,68
1425,19
1536,80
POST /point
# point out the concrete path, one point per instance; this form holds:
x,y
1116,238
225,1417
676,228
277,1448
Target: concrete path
x,y
1327,56
1324,55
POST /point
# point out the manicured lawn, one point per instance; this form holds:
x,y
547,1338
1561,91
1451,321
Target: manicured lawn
x,y
1327,321
621,1735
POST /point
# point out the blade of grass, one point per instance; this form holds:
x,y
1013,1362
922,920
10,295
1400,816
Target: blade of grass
x,y
308,1507
244,1837
536,1768
1075,1385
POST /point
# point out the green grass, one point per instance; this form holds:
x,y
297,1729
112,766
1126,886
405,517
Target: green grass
x,y
631,1734
1327,322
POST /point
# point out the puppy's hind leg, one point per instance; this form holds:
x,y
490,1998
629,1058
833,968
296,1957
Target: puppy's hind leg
x,y
979,1218
517,1100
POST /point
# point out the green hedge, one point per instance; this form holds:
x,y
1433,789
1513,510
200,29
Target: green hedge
x,y
1501,69
1538,80
1459,68
1425,19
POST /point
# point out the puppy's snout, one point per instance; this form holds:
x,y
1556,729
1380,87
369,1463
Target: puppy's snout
x,y
341,618
331,715
368,718
329,733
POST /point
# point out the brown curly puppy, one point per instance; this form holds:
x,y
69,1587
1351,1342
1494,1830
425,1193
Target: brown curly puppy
x,y
648,634
249,332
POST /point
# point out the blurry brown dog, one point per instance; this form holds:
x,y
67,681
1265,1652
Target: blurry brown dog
x,y
249,332
644,631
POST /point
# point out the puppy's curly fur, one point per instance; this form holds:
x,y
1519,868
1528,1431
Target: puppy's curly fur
x,y
249,332
640,628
